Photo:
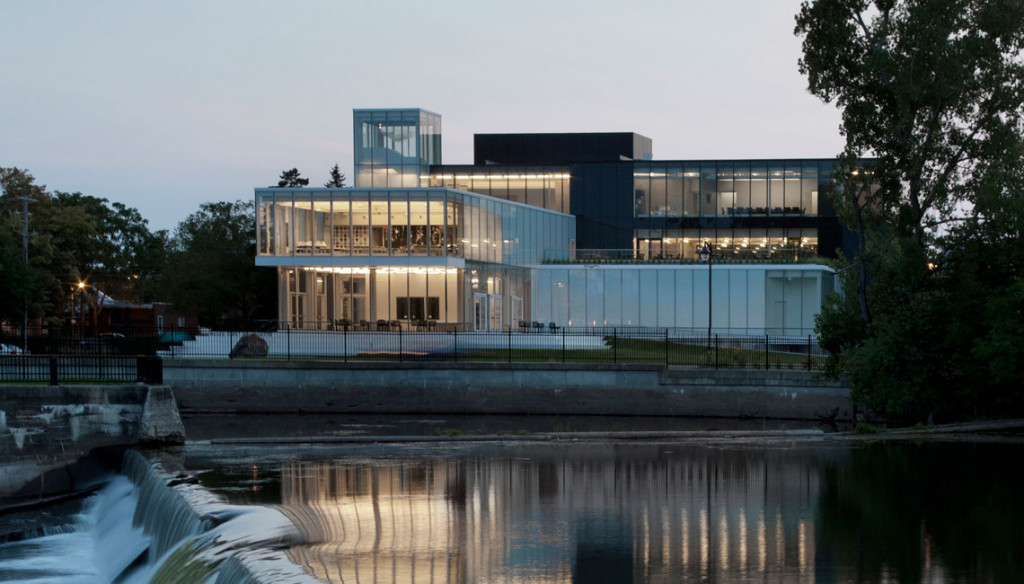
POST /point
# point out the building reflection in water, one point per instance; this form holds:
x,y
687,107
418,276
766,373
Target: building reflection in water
x,y
616,514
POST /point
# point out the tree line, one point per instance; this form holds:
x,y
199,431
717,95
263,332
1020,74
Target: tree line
x,y
83,248
929,324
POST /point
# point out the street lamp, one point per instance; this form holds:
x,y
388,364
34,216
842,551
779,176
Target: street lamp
x,y
704,253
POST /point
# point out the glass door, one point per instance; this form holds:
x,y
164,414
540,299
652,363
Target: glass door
x,y
517,312
494,302
479,312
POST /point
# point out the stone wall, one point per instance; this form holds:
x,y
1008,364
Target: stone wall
x,y
45,428
207,386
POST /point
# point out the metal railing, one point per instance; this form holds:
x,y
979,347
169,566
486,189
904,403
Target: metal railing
x,y
133,356
544,343
57,369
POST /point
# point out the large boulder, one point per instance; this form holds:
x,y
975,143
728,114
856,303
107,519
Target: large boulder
x,y
250,346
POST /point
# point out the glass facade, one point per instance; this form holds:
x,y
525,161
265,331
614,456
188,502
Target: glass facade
x,y
393,223
397,259
746,299
726,189
751,243
418,243
394,148
538,186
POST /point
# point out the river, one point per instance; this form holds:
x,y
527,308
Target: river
x,y
784,509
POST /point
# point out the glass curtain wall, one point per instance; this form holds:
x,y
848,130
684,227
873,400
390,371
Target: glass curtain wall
x,y
312,226
420,222
731,244
394,148
745,299
726,189
542,186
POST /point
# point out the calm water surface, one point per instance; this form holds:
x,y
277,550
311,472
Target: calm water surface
x,y
640,512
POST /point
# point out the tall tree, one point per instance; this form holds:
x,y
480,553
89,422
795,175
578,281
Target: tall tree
x,y
292,179
78,238
934,90
211,270
337,180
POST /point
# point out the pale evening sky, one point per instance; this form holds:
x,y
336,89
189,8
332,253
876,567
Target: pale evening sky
x,y
165,105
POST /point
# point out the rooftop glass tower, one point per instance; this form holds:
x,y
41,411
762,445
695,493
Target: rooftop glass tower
x,y
395,147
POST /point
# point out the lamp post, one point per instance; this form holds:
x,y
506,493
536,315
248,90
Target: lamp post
x,y
704,253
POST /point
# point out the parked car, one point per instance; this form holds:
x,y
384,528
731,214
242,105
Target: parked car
x,y
12,350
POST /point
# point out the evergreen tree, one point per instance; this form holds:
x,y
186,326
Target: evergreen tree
x,y
337,179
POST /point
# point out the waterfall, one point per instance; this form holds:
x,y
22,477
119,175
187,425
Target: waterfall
x,y
148,525
193,536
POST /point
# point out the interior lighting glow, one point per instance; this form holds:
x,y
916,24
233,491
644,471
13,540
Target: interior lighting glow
x,y
337,270
415,270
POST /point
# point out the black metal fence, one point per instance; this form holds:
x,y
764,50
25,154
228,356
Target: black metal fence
x,y
55,369
400,342
548,344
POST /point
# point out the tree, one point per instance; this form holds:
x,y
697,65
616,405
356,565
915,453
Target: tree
x,y
121,256
211,270
79,238
337,179
934,90
291,179
18,283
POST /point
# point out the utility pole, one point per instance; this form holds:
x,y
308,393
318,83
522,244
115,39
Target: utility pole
x,y
25,200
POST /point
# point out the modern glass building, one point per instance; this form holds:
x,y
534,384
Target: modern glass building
x,y
381,259
488,246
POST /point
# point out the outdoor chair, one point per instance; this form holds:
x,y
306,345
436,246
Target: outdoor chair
x,y
554,327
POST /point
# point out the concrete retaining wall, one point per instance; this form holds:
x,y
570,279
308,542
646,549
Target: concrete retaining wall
x,y
206,386
45,427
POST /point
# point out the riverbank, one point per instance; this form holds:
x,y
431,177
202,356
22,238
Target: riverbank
x,y
331,387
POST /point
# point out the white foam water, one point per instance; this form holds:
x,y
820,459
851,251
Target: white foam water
x,y
146,527
80,554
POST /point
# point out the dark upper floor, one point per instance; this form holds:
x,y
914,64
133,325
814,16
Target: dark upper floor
x,y
559,149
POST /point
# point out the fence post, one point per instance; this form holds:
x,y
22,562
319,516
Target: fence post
x,y
53,370
455,353
808,352
666,346
344,356
288,338
766,352
510,342
563,344
615,346
716,351
399,344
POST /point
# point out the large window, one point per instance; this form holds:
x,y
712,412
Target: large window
x,y
725,189
731,244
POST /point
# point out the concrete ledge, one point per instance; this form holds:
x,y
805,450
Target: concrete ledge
x,y
218,386
45,427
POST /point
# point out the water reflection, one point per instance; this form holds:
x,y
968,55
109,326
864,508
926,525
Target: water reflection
x,y
650,513
620,514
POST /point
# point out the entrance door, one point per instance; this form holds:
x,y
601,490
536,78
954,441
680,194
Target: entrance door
x,y
479,312
494,302
517,312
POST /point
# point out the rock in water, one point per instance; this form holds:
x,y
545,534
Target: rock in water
x,y
250,346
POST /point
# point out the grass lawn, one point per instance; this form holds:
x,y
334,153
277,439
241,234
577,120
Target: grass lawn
x,y
622,350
